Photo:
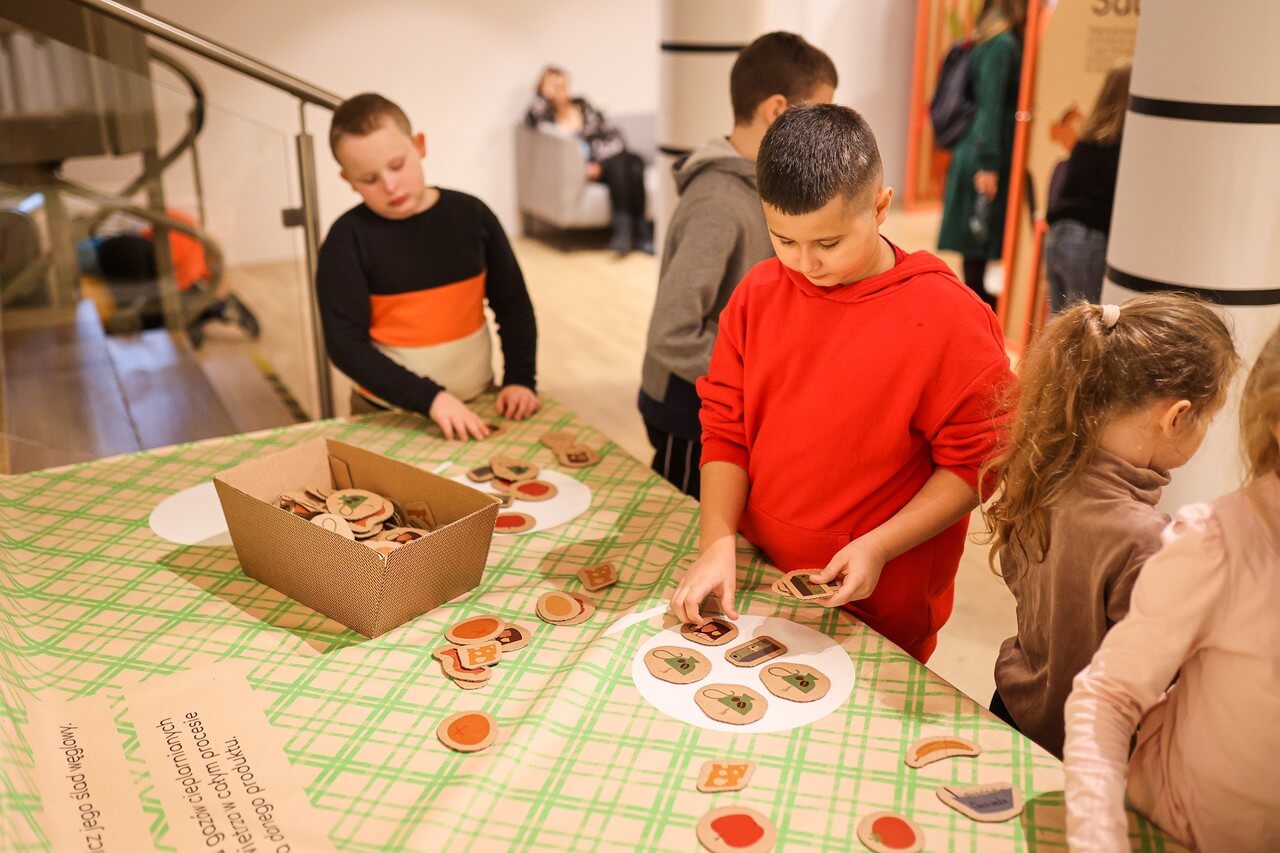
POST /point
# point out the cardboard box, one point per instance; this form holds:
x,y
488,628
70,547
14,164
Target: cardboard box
x,y
340,578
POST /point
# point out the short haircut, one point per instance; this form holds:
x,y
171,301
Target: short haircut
x,y
777,64
814,153
362,115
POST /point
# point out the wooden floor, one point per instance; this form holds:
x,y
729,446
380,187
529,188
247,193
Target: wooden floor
x,y
593,313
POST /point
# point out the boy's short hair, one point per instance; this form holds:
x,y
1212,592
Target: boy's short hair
x,y
777,64
362,115
813,153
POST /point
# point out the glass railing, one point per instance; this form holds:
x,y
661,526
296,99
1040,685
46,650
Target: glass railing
x,y
154,287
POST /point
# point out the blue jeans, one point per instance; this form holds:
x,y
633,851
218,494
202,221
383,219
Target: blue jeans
x,y
1075,263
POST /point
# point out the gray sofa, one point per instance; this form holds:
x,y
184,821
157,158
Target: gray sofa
x,y
551,181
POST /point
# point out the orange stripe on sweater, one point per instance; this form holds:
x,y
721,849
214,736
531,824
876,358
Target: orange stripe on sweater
x,y
425,318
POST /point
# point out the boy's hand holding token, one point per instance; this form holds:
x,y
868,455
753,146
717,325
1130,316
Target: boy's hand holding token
x,y
457,421
517,402
714,572
856,569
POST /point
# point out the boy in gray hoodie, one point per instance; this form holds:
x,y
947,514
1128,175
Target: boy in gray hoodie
x,y
715,236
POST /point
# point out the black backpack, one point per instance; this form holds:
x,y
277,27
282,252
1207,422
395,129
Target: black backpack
x,y
953,104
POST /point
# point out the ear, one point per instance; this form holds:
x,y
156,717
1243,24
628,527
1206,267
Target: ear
x,y
883,199
420,143
1175,418
768,110
343,174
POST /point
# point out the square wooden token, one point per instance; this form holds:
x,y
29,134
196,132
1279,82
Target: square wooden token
x,y
598,577
488,653
718,776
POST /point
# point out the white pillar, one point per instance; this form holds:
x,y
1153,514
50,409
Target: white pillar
x,y
700,41
1197,204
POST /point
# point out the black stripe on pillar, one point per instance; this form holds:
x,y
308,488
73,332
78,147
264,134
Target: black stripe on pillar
x,y
1235,298
700,47
674,151
1197,111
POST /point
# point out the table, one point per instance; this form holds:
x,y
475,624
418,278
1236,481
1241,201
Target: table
x,y
91,598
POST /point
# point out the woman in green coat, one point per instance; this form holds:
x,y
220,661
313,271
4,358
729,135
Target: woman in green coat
x,y
980,160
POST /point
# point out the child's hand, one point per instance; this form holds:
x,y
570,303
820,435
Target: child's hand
x,y
856,568
456,419
716,571
517,402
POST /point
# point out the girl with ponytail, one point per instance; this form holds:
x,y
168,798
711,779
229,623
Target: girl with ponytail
x,y
1112,398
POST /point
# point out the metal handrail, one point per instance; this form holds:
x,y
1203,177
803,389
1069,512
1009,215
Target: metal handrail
x,y
215,51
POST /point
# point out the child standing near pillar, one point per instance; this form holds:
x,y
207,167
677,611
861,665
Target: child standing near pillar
x,y
1203,612
1113,398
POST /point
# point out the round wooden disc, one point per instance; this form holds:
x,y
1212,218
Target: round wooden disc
x,y
558,607
334,524
469,731
354,504
588,607
477,629
731,703
513,522
886,832
736,829
532,490
515,470
482,474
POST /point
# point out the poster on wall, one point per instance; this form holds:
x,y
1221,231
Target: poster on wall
x,y
1079,42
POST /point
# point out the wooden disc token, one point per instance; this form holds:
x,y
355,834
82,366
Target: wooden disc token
x,y
731,703
755,651
714,632
451,663
557,439
598,577
403,535
588,608
513,522
780,588
795,682
476,629
513,638
801,586
577,456
481,474
984,803
532,490
515,470
382,513
720,776
676,665
366,527
306,499
886,832
354,504
469,731
557,607
334,524
736,829
930,749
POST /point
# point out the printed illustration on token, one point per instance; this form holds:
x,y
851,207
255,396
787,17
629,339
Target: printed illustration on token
x,y
731,703
713,632
513,522
488,653
675,665
334,524
452,666
475,629
718,776
577,456
532,491
510,468
513,638
983,803
795,682
886,832
354,504
598,577
930,749
755,652
469,731
586,607
482,474
403,535
736,829
800,585
556,607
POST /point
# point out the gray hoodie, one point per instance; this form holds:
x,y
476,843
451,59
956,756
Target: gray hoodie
x,y
717,234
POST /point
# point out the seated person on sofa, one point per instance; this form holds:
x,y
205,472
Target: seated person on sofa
x,y
608,160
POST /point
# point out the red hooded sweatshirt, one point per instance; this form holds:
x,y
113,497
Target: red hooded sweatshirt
x,y
840,403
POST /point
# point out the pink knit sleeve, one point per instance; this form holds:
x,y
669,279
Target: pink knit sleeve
x,y
1173,609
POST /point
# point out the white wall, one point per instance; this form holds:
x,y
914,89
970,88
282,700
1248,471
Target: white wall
x,y
463,72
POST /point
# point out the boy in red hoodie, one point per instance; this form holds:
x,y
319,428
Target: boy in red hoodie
x,y
853,393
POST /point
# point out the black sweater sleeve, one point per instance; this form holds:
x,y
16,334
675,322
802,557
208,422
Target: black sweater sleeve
x,y
343,294
509,299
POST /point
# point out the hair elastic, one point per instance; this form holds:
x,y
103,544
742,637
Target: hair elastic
x,y
1110,316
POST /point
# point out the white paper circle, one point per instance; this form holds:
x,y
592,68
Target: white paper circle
x,y
804,646
191,517
571,501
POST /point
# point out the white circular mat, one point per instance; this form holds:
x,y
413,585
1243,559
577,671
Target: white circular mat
x,y
804,645
191,517
572,500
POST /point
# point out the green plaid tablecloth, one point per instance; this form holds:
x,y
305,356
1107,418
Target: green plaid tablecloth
x,y
91,599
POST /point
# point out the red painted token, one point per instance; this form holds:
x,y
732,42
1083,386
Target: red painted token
x,y
513,522
533,490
